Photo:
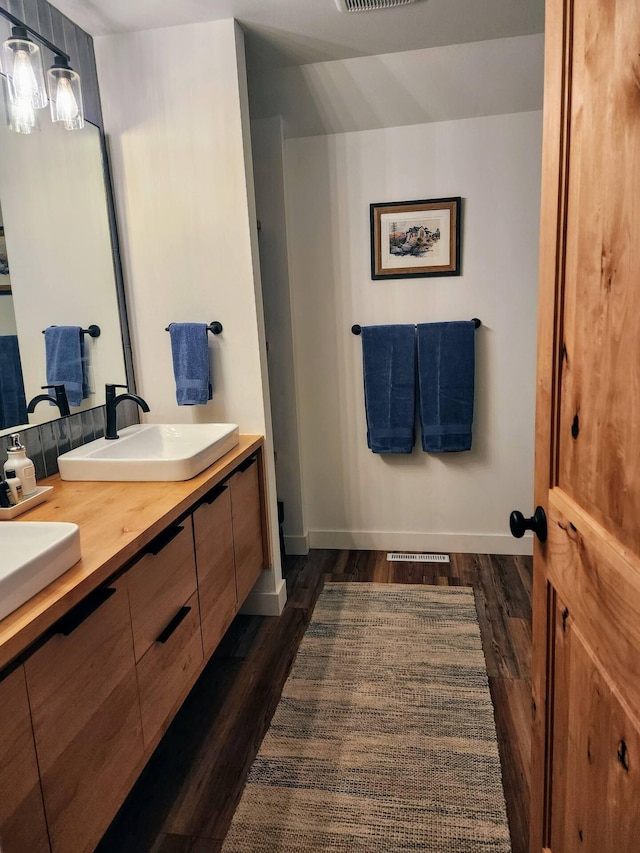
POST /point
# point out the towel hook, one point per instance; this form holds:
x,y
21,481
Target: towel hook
x,y
93,331
215,327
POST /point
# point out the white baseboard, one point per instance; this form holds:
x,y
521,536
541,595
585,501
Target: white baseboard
x,y
297,545
266,603
448,543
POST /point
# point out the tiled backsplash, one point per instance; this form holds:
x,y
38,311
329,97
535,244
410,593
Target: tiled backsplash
x,y
46,442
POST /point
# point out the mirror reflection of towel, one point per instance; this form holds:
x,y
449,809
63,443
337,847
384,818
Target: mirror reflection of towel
x,y
66,361
13,403
446,366
388,361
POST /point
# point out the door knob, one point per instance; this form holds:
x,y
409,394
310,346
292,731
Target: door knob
x,y
538,523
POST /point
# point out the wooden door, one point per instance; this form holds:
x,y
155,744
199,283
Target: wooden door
x,y
586,691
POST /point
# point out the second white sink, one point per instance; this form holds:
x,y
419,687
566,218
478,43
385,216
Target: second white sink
x,y
150,452
34,553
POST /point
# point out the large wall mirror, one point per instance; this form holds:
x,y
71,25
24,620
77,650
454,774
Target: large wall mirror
x,y
56,259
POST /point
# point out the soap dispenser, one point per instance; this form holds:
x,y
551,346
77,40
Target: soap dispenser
x,y
19,462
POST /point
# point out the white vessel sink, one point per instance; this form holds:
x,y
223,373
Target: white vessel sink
x,y
34,553
145,452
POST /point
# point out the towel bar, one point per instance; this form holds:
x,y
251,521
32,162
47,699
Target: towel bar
x,y
93,331
357,330
215,328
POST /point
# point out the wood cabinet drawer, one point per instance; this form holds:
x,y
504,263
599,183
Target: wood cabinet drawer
x,y
86,718
22,824
246,513
168,669
213,535
160,583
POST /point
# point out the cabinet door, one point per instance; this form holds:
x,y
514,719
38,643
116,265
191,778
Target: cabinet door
x,y
86,718
216,566
246,513
166,624
169,668
22,824
160,583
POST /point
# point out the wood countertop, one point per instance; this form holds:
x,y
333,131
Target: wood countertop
x,y
116,521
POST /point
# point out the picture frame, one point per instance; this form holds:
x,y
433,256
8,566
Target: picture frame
x,y
416,239
5,281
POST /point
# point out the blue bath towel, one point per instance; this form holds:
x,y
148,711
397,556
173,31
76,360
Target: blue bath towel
x,y
388,360
446,366
13,403
190,353
67,362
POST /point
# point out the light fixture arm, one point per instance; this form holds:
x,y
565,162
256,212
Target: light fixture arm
x,y
18,23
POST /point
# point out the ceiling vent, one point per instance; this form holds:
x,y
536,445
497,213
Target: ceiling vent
x,y
369,5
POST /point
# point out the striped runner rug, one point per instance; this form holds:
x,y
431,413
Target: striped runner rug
x,y
384,738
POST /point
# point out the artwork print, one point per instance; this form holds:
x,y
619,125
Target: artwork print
x,y
420,238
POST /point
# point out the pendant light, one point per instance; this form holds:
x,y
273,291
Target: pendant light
x,y
65,94
22,64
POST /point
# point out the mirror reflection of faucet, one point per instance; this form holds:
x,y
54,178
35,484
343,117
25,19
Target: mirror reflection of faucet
x,y
111,403
59,399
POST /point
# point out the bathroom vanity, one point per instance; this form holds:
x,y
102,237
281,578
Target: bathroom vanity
x,y
94,668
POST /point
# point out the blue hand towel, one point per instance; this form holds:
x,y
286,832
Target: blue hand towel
x,y
446,366
13,403
190,352
66,361
388,358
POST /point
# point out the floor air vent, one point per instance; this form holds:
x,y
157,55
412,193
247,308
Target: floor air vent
x,y
402,557
369,5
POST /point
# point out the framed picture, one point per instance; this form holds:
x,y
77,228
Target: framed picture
x,y
415,239
5,283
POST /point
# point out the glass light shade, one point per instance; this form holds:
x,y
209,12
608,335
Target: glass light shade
x,y
22,65
65,94
22,116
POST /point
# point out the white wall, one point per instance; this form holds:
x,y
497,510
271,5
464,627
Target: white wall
x,y
395,89
176,118
267,142
449,502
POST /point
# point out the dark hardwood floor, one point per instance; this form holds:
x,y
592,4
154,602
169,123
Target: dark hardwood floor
x,y
185,799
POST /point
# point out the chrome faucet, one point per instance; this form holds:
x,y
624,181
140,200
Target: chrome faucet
x,y
58,398
111,404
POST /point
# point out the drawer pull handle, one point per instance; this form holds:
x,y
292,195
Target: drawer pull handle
x,y
77,615
214,494
162,540
171,627
244,466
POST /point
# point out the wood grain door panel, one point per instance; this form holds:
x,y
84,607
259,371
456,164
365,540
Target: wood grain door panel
x,y
161,582
586,586
169,668
86,721
596,751
22,822
213,533
247,527
599,462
